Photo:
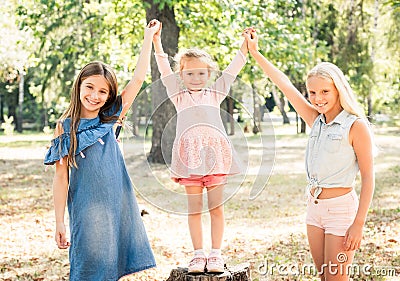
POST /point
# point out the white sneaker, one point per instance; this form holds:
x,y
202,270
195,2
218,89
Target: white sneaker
x,y
215,264
197,264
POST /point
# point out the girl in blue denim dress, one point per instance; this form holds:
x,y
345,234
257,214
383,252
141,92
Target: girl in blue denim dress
x,y
108,238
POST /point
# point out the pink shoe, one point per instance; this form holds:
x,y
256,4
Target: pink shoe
x,y
197,264
215,264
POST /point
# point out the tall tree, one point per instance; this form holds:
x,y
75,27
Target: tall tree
x,y
285,39
74,32
387,59
352,48
163,116
294,35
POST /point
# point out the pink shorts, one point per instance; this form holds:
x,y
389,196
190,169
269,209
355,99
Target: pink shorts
x,y
203,181
334,215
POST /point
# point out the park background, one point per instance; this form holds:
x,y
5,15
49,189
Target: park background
x,y
45,43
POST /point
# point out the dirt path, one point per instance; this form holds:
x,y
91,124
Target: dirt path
x,y
268,227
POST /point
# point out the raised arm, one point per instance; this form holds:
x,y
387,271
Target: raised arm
x,y
168,77
133,87
238,62
224,82
302,106
161,57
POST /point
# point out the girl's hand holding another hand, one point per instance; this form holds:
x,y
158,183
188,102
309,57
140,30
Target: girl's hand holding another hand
x,y
153,28
250,34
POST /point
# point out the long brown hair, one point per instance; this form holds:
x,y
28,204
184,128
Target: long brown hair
x,y
74,109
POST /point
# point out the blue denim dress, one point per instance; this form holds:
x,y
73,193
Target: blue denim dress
x,y
108,238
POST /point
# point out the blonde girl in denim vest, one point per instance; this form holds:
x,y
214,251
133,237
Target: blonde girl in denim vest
x,y
339,146
108,238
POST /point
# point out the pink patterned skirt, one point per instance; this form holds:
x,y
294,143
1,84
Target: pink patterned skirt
x,y
197,153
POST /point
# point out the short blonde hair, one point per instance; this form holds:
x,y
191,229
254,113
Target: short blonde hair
x,y
346,96
194,53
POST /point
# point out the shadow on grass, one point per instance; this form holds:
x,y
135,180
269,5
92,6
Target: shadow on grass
x,y
25,187
52,267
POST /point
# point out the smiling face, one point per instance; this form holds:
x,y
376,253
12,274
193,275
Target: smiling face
x,y
194,74
94,91
324,96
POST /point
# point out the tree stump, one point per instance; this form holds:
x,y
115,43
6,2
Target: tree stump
x,y
240,272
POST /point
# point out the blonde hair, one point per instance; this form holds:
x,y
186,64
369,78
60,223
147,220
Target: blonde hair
x,y
346,96
194,53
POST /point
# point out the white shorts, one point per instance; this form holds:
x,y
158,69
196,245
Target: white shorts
x,y
334,215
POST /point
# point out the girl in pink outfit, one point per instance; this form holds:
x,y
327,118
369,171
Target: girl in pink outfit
x,y
202,155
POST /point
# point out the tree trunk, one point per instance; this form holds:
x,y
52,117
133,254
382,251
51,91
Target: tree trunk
x,y
303,126
231,119
226,112
163,117
223,111
1,108
369,98
301,87
135,119
280,102
240,272
19,116
45,117
256,111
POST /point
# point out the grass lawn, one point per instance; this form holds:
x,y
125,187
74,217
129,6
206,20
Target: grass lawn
x,y
266,231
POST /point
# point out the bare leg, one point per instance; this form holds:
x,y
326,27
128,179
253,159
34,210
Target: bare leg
x,y
195,206
336,256
316,240
216,208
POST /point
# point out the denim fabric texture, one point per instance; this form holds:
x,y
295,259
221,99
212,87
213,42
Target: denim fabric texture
x,y
330,158
108,237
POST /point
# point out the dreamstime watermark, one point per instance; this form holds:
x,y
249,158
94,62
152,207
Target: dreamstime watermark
x,y
268,268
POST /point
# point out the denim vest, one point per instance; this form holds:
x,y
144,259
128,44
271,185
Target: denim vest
x,y
330,158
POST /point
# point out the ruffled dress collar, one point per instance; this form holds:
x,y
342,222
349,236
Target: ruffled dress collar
x,y
90,131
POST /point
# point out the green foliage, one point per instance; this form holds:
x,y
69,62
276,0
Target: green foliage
x,y
8,126
352,53
388,63
51,40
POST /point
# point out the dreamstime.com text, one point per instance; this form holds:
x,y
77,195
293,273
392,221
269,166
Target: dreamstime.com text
x,y
267,268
